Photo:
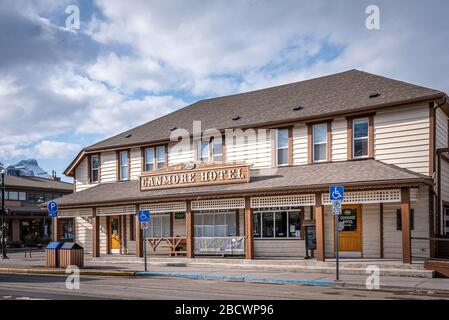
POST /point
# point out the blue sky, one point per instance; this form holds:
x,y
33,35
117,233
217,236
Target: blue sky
x,y
132,61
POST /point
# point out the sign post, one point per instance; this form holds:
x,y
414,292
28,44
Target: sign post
x,y
144,220
336,194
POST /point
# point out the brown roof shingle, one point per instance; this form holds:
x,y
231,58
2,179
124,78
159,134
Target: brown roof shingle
x,y
37,183
338,93
296,178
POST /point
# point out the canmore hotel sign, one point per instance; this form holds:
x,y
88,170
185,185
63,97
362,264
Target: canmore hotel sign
x,y
190,174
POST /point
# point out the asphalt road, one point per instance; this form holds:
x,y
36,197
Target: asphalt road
x,y
29,287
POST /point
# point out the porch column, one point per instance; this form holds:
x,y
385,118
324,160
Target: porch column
x,y
249,232
56,229
319,216
190,230
124,249
139,247
95,234
406,230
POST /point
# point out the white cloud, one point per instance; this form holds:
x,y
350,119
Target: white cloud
x,y
47,149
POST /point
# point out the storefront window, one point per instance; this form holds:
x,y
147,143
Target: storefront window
x,y
67,230
277,223
31,230
159,225
215,223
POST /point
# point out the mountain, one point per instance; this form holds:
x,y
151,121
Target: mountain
x,y
27,168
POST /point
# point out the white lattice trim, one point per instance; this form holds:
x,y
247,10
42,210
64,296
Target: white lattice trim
x,y
374,196
71,213
110,211
283,201
164,207
234,203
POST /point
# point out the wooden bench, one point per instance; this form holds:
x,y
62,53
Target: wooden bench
x,y
173,243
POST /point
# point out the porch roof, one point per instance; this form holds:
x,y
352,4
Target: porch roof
x,y
362,174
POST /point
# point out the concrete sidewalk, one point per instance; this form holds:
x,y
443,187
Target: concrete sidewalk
x,y
393,274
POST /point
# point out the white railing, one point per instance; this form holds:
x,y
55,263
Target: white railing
x,y
220,245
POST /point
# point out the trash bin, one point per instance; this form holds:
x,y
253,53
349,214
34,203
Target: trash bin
x,y
71,253
52,254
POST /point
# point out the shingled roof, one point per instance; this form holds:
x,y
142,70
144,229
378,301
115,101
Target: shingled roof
x,y
12,182
364,173
338,93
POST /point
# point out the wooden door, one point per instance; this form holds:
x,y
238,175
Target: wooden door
x,y
114,234
350,236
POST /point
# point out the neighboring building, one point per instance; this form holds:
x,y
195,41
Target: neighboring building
x,y
265,193
26,222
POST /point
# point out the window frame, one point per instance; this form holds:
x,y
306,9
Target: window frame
x,y
90,159
277,148
210,154
160,216
155,161
326,142
120,166
273,211
350,135
354,121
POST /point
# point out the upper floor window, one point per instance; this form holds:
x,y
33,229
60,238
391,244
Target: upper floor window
x,y
154,158
123,165
320,142
360,138
210,150
282,147
94,168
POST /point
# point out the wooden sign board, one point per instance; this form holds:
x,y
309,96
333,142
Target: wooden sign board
x,y
190,175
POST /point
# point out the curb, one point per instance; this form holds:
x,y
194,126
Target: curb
x,y
62,271
235,278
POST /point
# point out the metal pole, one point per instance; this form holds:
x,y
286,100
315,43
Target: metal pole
x,y
4,256
336,251
144,250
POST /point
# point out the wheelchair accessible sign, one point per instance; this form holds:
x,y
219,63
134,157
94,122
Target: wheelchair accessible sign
x,y
336,195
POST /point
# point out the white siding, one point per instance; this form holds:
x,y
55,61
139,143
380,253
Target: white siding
x,y
108,169
279,248
393,237
83,233
82,177
103,235
176,154
441,134
300,145
371,230
135,163
256,152
339,140
402,138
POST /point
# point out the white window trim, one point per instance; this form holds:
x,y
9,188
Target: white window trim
x,y
157,157
92,168
161,217
318,143
211,146
145,159
214,213
121,165
280,148
360,138
200,151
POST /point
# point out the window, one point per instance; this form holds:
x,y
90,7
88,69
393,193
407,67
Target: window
x,y
277,223
360,138
319,142
217,150
446,220
282,147
123,165
132,228
203,151
149,159
160,159
159,225
210,150
67,230
94,168
22,196
13,195
215,223
399,219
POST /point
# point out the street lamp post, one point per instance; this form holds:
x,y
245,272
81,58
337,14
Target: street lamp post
x,y
4,256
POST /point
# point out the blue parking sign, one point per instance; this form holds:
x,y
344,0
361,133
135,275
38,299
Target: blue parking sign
x,y
144,216
52,209
336,192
